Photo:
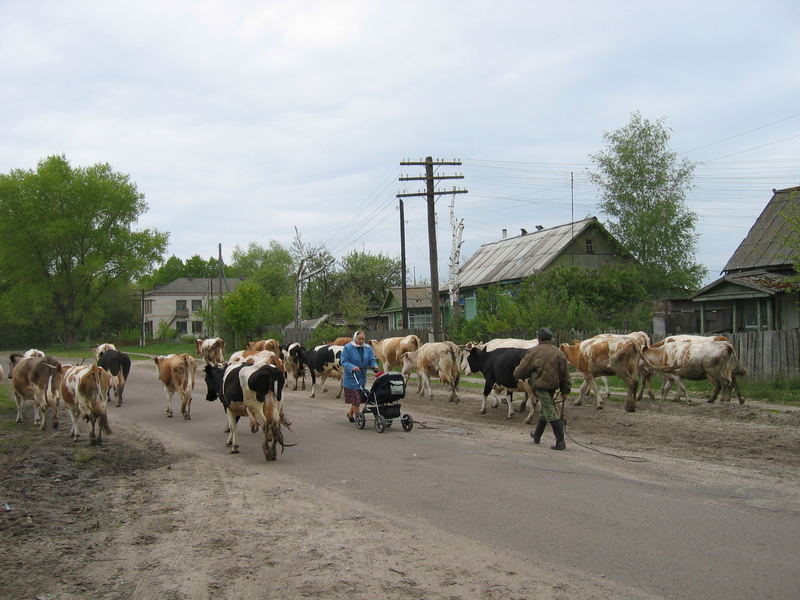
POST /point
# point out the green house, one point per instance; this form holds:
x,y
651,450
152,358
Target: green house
x,y
585,243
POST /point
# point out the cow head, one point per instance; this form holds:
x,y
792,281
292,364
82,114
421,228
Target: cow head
x,y
213,378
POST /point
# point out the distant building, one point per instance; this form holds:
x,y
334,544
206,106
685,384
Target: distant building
x,y
418,299
179,302
584,243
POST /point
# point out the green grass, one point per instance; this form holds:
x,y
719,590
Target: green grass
x,y
78,352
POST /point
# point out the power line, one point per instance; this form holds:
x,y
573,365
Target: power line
x,y
743,133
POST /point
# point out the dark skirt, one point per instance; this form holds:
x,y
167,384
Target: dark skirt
x,y
352,397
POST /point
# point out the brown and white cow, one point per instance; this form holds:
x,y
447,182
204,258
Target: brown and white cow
x,y
270,344
118,364
211,350
256,356
37,378
435,358
572,353
388,351
176,374
85,390
609,354
694,359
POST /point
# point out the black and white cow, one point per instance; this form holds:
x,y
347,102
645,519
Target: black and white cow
x,y
119,365
254,391
498,367
294,359
323,362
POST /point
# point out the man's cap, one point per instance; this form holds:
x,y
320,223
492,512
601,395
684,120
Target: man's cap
x,y
544,334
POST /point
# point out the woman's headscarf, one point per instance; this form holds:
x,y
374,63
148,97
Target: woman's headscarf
x,y
355,335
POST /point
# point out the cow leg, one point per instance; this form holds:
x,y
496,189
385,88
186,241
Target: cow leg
x,y
19,400
323,379
341,387
604,379
735,385
596,389
186,404
488,387
119,390
581,393
630,400
73,416
510,401
529,395
169,401
233,442
682,390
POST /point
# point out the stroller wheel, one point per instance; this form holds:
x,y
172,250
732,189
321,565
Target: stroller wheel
x,y
361,420
407,422
380,423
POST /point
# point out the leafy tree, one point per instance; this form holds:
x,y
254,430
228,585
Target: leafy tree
x,y
170,270
244,309
370,276
66,241
195,266
643,188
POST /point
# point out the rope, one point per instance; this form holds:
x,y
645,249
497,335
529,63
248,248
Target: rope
x,y
620,456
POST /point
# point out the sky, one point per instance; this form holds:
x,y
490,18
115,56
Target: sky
x,y
240,121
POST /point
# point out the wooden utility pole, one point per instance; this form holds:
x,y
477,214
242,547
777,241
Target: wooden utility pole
x,y
430,194
403,294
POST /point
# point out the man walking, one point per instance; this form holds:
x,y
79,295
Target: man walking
x,y
545,367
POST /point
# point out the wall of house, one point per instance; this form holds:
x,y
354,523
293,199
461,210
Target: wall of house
x,y
590,250
163,309
788,311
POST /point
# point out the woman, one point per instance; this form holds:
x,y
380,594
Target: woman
x,y
356,358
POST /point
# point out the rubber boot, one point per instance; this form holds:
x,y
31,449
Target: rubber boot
x,y
558,430
536,434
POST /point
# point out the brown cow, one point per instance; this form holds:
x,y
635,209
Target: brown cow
x,y
211,350
388,351
609,354
39,379
270,344
340,341
176,374
435,358
85,392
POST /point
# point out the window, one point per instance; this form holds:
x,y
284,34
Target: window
x,y
197,305
197,326
180,304
180,327
420,319
148,307
589,247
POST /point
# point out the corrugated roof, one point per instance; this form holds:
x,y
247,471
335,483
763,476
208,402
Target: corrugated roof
x,y
767,244
515,258
194,286
416,296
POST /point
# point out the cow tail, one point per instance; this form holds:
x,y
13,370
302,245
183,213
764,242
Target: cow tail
x,y
189,371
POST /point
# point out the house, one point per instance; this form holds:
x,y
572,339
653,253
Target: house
x,y
755,292
179,302
418,300
584,243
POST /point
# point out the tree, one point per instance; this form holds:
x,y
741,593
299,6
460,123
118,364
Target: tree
x,y
643,188
66,241
243,309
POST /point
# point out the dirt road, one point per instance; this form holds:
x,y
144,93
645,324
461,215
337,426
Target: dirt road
x,y
463,506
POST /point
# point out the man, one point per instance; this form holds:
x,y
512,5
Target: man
x,y
546,366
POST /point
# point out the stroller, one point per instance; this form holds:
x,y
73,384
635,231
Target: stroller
x,y
381,401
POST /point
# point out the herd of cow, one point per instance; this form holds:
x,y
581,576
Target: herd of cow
x,y
250,383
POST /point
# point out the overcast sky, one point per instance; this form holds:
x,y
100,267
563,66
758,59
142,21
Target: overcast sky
x,y
239,120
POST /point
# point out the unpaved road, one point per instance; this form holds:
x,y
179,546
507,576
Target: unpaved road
x,y
672,501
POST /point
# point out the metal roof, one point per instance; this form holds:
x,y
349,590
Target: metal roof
x,y
194,286
515,258
767,244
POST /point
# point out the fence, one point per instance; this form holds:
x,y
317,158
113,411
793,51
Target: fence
x,y
292,335
768,354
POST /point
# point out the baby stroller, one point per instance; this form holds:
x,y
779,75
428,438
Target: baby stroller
x,y
381,401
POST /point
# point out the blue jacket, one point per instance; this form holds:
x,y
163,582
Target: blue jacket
x,y
350,358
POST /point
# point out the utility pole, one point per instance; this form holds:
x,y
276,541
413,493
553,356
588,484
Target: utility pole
x,y
403,294
430,194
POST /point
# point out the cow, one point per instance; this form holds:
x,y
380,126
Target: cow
x,y
37,378
253,390
498,367
494,345
323,362
211,350
118,364
2,372
388,351
270,344
176,374
694,359
253,356
609,354
340,341
98,352
572,353
294,359
435,358
85,391
33,353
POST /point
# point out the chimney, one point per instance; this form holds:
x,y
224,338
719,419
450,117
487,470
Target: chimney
x,y
522,231
539,227
505,233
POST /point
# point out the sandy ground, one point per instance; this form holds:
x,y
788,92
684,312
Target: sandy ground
x,y
143,518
